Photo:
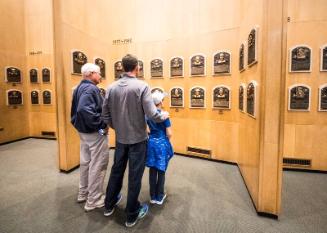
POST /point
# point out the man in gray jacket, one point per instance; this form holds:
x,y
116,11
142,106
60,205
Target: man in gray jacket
x,y
127,102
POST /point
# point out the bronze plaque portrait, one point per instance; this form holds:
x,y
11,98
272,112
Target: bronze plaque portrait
x,y
252,48
156,68
300,59
79,59
197,65
241,98
15,97
46,97
141,70
324,59
157,89
102,92
323,99
35,97
241,58
45,75
176,67
118,69
197,97
176,97
102,65
221,63
299,98
33,75
13,75
221,98
250,99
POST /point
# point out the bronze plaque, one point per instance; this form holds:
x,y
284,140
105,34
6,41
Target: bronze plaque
x,y
250,99
324,59
176,97
197,65
221,63
13,75
45,75
221,98
323,99
141,71
299,98
35,97
241,98
241,58
33,75
46,97
252,47
102,66
102,92
176,67
197,97
301,59
79,59
157,89
15,97
118,69
156,68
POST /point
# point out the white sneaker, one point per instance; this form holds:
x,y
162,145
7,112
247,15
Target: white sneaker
x,y
97,204
161,201
81,198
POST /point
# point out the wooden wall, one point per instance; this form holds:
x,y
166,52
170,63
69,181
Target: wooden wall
x,y
304,131
14,121
26,43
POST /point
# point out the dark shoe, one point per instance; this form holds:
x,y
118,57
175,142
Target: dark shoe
x,y
142,212
108,212
161,200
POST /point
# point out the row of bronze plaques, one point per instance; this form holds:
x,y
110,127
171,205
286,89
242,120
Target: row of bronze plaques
x,y
301,58
221,65
14,75
15,97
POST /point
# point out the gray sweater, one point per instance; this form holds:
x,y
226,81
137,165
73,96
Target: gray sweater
x,y
127,102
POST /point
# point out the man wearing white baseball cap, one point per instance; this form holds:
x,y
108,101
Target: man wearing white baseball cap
x,y
94,152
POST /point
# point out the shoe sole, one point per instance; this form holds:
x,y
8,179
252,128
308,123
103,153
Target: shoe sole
x,y
113,210
153,201
87,209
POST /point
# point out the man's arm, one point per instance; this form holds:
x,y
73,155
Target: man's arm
x,y
150,109
86,110
106,110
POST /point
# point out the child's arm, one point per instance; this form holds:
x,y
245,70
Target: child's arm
x,y
147,129
169,132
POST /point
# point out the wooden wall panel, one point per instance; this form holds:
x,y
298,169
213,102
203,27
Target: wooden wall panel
x,y
307,26
12,53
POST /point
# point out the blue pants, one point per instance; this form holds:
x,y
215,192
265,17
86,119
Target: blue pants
x,y
135,154
157,183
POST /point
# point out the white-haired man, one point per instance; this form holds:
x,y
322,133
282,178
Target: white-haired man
x,y
94,152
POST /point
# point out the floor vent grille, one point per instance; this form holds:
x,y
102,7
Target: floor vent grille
x,y
48,133
199,152
294,162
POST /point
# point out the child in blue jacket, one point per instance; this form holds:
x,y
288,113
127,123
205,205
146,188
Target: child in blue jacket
x,y
159,152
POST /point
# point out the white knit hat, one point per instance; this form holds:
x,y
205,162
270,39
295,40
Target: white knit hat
x,y
158,96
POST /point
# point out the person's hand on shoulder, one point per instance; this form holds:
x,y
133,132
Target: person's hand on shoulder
x,y
165,114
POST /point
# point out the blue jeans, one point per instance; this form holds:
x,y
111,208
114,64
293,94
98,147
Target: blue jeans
x,y
135,154
157,183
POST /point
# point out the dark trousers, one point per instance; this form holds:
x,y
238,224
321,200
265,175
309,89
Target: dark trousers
x,y
157,183
135,154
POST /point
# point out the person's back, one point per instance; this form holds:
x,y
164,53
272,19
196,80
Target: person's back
x,y
127,102
126,98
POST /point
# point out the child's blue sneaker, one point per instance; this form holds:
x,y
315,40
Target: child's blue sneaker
x,y
161,199
153,200
142,212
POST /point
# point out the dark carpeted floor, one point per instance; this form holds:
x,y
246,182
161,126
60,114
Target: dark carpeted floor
x,y
203,197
